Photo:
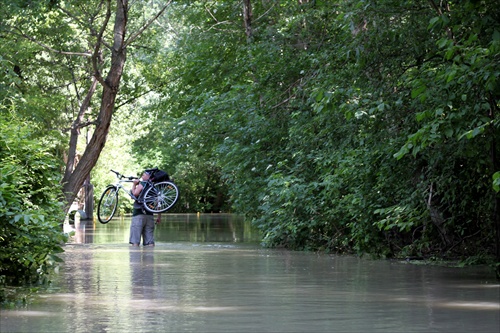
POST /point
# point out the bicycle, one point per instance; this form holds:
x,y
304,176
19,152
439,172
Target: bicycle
x,y
155,198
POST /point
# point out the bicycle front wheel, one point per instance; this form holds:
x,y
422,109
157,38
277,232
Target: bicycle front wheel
x,y
107,204
161,197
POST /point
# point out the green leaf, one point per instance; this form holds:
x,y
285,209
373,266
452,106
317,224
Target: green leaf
x,y
433,22
443,42
418,91
496,181
451,75
496,36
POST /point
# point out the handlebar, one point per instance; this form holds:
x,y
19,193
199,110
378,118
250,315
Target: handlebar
x,y
120,176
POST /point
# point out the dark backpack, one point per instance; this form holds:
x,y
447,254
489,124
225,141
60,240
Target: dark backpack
x,y
159,176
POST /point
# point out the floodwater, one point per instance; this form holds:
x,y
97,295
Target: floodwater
x,y
208,274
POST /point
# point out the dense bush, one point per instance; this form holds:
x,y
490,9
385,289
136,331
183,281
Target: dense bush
x,y
31,210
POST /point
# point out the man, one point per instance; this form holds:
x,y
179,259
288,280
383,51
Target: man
x,y
143,223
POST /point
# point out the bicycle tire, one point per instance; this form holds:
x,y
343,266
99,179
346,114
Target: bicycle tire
x,y
107,204
160,197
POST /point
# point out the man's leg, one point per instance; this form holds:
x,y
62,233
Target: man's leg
x,y
148,231
136,230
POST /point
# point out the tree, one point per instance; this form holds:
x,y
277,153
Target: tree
x,y
74,177
104,47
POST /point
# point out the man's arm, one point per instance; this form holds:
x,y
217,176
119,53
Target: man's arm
x,y
136,187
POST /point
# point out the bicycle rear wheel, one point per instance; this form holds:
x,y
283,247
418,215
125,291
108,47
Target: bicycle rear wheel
x,y
161,197
107,204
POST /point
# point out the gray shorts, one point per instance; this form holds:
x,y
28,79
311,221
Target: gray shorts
x,y
142,225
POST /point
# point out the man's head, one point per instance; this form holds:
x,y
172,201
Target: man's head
x,y
145,175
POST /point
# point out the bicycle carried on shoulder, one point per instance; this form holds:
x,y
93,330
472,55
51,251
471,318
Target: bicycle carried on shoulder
x,y
155,197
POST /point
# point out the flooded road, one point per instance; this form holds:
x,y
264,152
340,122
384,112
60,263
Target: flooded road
x,y
208,274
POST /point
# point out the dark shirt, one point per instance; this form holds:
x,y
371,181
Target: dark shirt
x,y
138,206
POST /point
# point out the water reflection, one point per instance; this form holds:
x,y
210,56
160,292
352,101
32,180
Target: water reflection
x,y
222,285
173,228
142,266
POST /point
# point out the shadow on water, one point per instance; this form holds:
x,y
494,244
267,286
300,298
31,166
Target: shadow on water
x,y
208,274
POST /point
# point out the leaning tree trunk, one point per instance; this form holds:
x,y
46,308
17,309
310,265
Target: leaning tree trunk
x,y
74,178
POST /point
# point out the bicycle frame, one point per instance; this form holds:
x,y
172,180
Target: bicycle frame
x,y
130,179
119,183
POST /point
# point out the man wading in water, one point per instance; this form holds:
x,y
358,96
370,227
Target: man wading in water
x,y
143,223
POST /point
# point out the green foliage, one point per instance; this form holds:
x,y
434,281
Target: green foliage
x,y
30,206
343,126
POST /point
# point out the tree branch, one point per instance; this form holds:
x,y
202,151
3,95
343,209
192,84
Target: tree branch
x,y
265,13
435,6
48,48
145,26
97,48
132,99
440,13
75,129
91,20
81,125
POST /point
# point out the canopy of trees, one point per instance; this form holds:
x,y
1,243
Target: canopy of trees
x,y
344,126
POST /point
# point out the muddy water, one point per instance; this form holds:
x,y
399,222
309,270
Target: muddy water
x,y
208,274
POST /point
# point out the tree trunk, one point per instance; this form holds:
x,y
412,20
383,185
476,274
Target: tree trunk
x,y
247,19
496,166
